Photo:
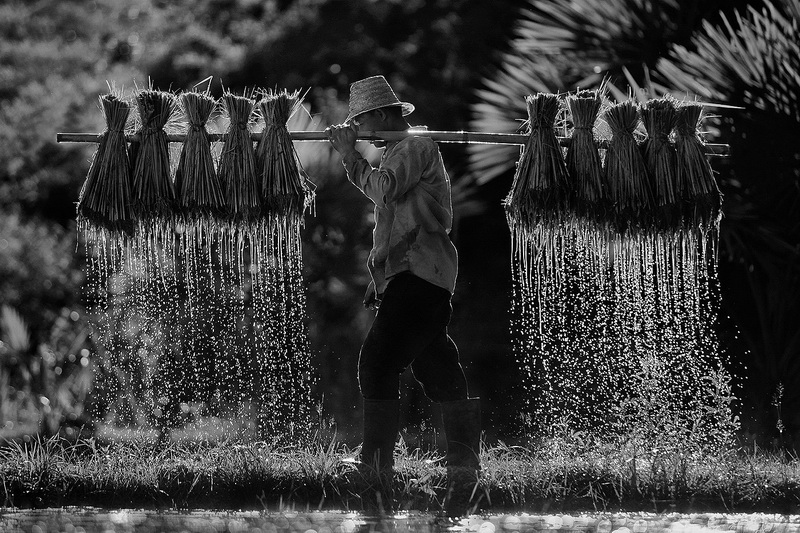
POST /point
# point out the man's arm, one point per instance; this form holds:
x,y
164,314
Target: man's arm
x,y
397,175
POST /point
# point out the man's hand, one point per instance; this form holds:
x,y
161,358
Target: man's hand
x,y
371,300
343,137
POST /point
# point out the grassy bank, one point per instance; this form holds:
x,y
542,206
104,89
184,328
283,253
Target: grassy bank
x,y
547,478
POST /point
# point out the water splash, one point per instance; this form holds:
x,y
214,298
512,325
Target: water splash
x,y
614,316
200,316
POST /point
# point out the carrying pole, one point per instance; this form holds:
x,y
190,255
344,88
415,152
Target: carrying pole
x,y
468,137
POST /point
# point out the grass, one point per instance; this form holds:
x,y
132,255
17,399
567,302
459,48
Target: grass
x,y
556,476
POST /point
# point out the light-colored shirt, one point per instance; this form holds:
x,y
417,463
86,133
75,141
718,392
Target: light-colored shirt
x,y
413,212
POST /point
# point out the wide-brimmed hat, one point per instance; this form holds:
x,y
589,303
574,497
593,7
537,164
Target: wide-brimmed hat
x,y
373,93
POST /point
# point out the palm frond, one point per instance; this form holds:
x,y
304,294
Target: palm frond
x,y
609,33
753,60
502,108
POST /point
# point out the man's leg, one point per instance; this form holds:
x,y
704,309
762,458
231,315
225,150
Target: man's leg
x,y
439,371
412,313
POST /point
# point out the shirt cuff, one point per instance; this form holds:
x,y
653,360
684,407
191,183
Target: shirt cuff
x,y
351,157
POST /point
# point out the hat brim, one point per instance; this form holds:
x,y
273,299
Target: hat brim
x,y
407,109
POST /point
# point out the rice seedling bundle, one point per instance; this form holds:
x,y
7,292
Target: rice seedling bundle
x,y
152,183
540,188
197,186
283,188
105,198
237,165
610,283
702,199
625,172
660,118
583,159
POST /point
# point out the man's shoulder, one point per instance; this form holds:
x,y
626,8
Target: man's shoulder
x,y
418,142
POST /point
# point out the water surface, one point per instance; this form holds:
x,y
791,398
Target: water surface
x,y
91,520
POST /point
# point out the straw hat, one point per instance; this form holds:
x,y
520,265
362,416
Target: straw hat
x,y
373,93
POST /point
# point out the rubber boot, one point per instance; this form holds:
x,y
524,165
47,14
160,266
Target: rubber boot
x,y
381,426
461,420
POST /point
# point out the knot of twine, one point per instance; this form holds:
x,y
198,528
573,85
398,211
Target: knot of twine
x,y
149,130
196,126
661,138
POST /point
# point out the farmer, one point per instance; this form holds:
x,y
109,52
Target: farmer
x,y
413,265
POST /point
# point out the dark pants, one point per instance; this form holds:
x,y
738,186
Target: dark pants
x,y
411,329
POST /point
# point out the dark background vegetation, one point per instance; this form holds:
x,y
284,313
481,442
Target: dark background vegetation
x,y
465,64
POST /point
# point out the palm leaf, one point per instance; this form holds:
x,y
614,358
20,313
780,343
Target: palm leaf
x,y
754,62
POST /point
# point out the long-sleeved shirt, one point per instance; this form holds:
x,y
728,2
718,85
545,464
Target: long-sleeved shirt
x,y
413,212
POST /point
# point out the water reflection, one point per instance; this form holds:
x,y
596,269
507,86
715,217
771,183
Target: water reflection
x,y
91,520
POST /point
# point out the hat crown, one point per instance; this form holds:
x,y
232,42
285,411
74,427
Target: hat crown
x,y
373,93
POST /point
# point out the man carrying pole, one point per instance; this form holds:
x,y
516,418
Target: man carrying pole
x,y
413,265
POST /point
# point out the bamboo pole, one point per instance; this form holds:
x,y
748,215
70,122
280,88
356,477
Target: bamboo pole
x,y
469,137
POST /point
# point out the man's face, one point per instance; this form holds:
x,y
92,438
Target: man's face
x,y
371,121
368,121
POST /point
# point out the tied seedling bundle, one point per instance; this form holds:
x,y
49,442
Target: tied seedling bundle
x,y
237,164
701,197
660,118
583,161
540,188
283,188
152,184
198,188
105,198
625,172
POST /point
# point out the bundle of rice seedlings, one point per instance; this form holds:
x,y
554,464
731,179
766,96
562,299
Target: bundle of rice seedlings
x,y
105,198
152,185
237,165
197,186
660,117
583,159
283,188
540,188
702,199
625,173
